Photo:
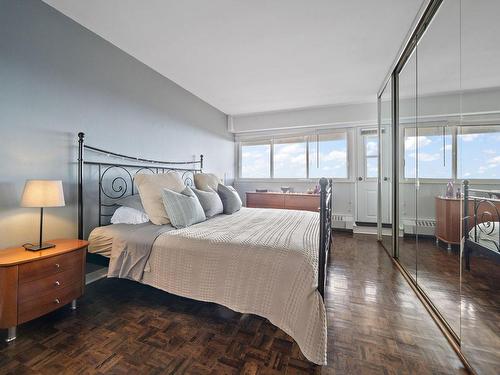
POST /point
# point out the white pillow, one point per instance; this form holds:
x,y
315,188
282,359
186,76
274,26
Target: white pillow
x,y
127,215
203,181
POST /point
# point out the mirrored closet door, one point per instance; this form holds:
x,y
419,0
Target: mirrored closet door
x,y
444,106
438,197
407,145
478,163
385,175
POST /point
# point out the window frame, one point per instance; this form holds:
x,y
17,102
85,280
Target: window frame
x,y
484,181
454,132
283,141
310,137
240,158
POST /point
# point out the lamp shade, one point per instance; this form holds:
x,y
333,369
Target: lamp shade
x,y
43,193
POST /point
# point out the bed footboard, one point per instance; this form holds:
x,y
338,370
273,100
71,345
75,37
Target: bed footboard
x,y
480,214
325,231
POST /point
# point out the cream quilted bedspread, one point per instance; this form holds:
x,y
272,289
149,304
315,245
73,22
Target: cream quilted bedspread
x,y
259,261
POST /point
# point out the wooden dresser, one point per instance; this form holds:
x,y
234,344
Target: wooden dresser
x,y
448,218
33,283
289,201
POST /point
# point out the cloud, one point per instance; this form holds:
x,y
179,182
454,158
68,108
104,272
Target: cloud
x,y
290,160
427,157
424,156
411,142
469,137
494,162
255,161
372,148
334,155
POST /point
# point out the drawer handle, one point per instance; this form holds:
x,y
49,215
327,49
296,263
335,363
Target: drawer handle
x,y
58,265
56,301
57,283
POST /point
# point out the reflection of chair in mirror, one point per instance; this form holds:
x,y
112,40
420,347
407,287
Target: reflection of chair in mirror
x,y
481,223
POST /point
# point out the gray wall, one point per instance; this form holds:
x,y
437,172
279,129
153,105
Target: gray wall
x,y
57,78
340,115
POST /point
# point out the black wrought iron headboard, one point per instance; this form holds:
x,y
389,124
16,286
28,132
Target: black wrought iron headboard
x,y
485,213
122,185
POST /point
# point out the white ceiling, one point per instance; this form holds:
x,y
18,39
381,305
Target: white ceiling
x,y
458,52
256,56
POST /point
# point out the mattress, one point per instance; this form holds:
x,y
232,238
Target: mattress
x,y
488,235
257,261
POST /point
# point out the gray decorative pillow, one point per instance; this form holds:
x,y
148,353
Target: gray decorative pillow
x,y
230,199
132,201
210,201
184,208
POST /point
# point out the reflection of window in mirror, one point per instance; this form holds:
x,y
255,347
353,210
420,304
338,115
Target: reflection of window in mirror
x,y
478,152
432,147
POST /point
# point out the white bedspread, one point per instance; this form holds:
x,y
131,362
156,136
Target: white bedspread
x,y
488,235
259,261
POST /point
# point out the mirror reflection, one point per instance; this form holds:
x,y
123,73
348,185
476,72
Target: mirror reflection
x,y
448,180
407,236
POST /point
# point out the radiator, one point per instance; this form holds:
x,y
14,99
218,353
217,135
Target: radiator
x,y
421,226
342,221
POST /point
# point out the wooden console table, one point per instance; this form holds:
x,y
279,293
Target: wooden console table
x,y
289,201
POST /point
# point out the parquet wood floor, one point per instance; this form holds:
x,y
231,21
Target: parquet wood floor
x,y
376,325
472,308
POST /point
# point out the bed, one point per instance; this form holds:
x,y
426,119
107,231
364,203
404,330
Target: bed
x,y
481,226
268,262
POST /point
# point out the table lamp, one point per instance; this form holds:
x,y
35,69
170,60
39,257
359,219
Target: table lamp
x,y
41,194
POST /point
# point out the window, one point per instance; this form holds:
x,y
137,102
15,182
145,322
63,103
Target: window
x,y
332,161
478,153
290,158
370,143
256,160
431,148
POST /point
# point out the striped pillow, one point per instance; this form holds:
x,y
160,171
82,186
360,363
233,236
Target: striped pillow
x,y
184,208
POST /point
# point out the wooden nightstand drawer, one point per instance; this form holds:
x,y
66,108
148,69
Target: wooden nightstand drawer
x,y
33,283
50,266
50,283
42,304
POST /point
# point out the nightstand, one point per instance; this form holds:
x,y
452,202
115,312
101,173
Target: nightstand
x,y
33,283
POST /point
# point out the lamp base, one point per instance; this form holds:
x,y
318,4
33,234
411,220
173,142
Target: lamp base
x,y
43,246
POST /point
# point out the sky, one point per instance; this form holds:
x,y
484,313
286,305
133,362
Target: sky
x,y
290,160
478,155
